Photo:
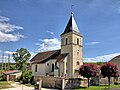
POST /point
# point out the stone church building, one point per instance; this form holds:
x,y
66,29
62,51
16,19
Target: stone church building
x,y
64,62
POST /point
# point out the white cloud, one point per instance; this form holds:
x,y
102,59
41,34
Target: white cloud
x,y
50,32
6,56
48,44
6,59
32,54
8,52
11,57
7,27
9,37
104,58
92,43
7,30
4,19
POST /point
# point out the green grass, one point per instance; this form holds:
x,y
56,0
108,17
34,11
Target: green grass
x,y
101,87
4,84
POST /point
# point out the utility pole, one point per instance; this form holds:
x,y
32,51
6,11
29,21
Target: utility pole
x,y
8,66
5,64
2,62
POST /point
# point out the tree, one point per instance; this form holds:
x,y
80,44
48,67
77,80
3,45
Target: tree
x,y
21,56
89,70
109,70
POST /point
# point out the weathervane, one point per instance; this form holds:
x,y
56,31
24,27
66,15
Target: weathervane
x,y
72,9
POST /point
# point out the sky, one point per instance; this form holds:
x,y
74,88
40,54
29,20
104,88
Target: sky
x,y
37,25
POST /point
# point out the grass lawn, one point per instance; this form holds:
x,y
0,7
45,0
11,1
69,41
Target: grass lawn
x,y
4,84
112,86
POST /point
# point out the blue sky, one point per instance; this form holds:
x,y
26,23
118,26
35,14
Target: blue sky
x,y
37,25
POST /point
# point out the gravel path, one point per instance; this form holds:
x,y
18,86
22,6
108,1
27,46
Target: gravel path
x,y
17,86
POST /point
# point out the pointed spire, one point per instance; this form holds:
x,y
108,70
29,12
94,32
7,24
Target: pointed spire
x,y
71,26
72,14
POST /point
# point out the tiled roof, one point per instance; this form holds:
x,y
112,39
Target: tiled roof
x,y
61,57
12,71
45,56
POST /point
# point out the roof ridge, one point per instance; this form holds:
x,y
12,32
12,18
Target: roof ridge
x,y
49,51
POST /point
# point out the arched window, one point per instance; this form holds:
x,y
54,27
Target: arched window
x,y
66,41
78,63
77,41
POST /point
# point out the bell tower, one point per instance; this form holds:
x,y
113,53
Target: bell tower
x,y
71,43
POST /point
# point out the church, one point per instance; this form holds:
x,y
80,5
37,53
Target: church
x,y
64,62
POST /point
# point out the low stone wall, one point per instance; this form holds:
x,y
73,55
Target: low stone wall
x,y
75,83
60,82
103,81
49,81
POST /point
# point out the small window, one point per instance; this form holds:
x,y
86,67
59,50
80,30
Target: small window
x,y
35,68
78,55
78,63
52,67
77,41
66,41
47,64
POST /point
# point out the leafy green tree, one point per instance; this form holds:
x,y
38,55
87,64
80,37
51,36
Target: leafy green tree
x,y
109,70
21,56
89,70
26,77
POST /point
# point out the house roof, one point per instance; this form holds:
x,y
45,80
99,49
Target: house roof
x,y
12,72
115,59
45,56
61,57
71,26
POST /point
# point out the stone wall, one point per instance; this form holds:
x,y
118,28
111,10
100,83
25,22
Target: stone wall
x,y
75,83
60,82
103,81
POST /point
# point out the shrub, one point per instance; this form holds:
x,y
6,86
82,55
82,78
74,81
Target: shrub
x,y
26,77
18,79
32,82
116,83
1,78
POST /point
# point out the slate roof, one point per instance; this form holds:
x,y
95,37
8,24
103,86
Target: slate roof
x,y
61,57
45,56
71,26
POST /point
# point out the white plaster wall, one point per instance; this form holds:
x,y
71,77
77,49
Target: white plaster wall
x,y
17,74
40,69
56,72
48,69
61,68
